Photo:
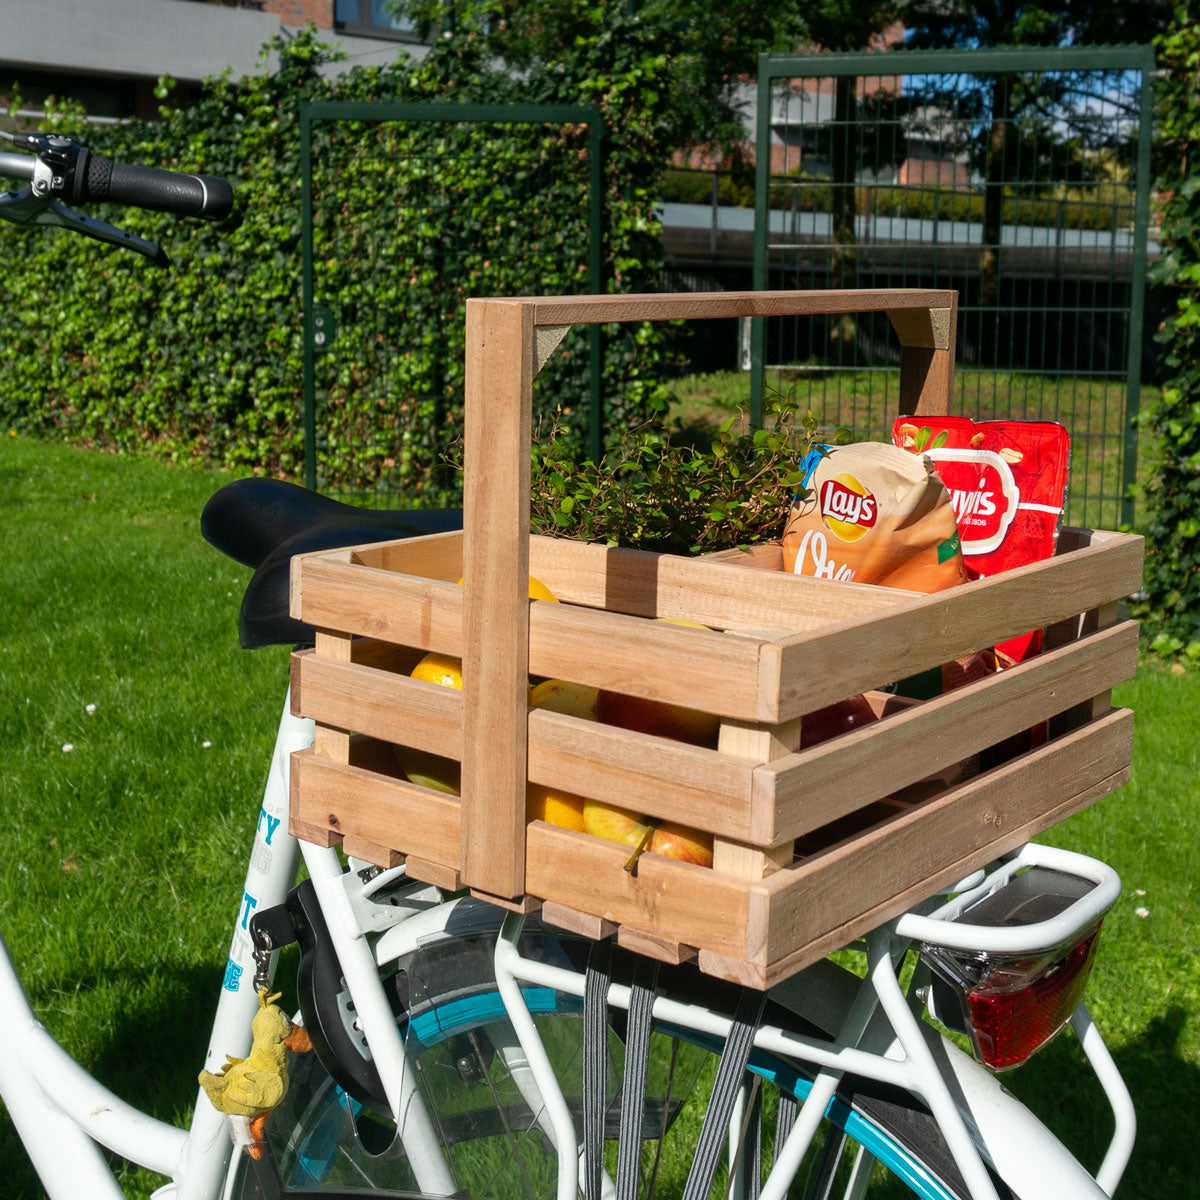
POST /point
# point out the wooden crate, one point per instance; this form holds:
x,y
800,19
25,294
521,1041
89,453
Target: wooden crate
x,y
811,847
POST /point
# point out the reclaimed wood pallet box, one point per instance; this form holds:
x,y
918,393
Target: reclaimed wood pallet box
x,y
812,847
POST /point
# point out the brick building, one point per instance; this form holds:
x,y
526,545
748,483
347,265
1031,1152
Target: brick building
x,y
109,54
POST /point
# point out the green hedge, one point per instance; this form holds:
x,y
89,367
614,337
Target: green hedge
x,y
1172,608
205,361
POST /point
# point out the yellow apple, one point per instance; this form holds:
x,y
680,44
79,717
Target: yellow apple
x,y
557,695
431,770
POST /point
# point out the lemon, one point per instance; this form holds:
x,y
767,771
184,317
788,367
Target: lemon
x,y
443,669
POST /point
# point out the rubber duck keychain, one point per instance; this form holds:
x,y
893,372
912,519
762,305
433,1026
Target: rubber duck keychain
x,y
247,1089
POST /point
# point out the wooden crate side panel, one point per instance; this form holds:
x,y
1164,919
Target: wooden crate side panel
x,y
684,903
806,790
662,778
853,886
370,806
814,669
713,590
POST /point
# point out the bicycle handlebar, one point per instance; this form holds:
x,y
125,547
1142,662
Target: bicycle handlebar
x,y
99,178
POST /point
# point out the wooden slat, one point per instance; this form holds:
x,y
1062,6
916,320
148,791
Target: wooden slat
x,y
807,790
575,920
667,306
766,556
812,670
698,668
378,703
654,945
666,585
432,555
446,878
854,886
371,806
693,905
372,852
332,593
498,408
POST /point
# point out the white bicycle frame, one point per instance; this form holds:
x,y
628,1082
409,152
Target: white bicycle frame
x,y
63,1115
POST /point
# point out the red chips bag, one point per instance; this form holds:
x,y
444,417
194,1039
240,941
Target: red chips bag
x,y
1007,481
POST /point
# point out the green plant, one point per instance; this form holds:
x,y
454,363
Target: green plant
x,y
1172,605
656,494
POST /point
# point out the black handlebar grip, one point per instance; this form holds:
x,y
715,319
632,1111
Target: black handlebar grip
x,y
149,187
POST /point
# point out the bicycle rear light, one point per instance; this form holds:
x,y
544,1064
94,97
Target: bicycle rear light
x,y
1011,1004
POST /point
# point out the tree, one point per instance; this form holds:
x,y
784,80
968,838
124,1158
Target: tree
x,y
1019,114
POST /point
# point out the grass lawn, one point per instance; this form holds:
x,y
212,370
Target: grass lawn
x,y
127,821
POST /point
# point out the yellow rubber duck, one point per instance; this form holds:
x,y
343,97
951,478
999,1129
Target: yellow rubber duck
x,y
249,1088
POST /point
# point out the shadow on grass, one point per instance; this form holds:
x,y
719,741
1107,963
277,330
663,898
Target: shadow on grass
x,y
152,1057
1058,1085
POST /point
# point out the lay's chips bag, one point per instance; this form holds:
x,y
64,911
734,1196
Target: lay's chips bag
x,y
874,513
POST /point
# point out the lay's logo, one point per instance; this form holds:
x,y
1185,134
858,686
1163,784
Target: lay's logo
x,y
847,508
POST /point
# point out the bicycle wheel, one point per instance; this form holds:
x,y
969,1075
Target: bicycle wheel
x,y
492,1127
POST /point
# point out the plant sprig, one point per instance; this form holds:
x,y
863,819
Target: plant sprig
x,y
652,493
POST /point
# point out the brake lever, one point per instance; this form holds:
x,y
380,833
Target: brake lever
x,y
27,207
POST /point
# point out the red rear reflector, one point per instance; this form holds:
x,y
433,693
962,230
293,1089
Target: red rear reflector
x,y
1010,1024
1011,1004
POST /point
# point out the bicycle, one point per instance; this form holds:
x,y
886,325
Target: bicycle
x,y
462,1050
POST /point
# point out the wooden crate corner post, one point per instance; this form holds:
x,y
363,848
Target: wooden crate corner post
x,y
498,416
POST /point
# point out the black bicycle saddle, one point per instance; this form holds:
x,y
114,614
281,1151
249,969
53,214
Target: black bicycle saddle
x,y
263,523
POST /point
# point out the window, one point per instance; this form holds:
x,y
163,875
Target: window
x,y
373,18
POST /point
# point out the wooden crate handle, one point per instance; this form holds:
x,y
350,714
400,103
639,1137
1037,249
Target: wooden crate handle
x,y
508,342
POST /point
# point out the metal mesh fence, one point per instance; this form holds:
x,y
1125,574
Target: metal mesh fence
x,y
1020,179
410,209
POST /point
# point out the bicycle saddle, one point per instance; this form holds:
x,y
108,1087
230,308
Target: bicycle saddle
x,y
263,523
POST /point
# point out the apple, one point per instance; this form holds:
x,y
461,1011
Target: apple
x,y
654,716
622,825
431,770
557,695
836,719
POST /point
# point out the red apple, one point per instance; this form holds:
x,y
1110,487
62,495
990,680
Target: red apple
x,y
835,720
653,716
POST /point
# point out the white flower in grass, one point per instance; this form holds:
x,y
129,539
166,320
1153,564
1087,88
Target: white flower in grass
x,y
68,747
1141,912
206,744
90,709
1139,891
